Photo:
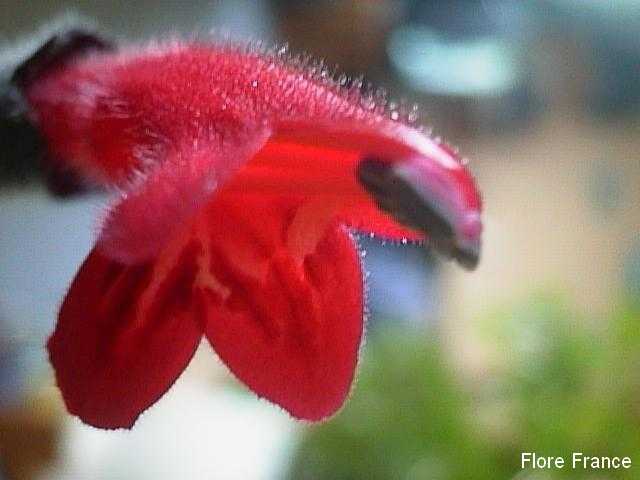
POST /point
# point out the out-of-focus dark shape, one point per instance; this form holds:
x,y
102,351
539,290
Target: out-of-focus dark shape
x,y
23,150
61,48
349,33
465,64
11,371
20,150
430,62
606,35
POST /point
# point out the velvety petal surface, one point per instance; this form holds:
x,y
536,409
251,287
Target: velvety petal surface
x,y
320,173
283,301
238,170
146,216
124,334
152,109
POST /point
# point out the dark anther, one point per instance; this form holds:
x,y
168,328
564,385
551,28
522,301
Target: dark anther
x,y
396,195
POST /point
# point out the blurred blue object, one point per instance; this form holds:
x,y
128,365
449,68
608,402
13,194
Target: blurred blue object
x,y
492,51
468,51
42,245
432,62
12,374
460,48
16,360
403,284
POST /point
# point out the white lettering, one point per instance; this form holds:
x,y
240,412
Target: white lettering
x,y
540,462
575,459
578,461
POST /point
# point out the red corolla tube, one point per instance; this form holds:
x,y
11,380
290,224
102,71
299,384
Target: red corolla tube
x,y
241,175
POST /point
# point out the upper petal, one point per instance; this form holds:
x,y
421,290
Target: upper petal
x,y
380,177
321,173
147,215
116,113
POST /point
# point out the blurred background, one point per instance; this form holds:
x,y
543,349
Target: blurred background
x,y
538,350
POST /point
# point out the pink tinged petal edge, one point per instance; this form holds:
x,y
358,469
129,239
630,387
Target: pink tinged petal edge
x,y
148,215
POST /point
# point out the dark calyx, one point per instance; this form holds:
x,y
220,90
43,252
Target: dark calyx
x,y
23,151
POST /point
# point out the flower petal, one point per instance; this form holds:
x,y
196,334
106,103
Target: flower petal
x,y
124,334
113,114
320,172
175,189
289,326
422,183
381,176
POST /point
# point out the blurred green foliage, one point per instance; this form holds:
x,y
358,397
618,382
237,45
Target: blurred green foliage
x,y
553,384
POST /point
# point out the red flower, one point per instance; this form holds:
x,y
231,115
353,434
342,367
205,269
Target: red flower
x,y
241,174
